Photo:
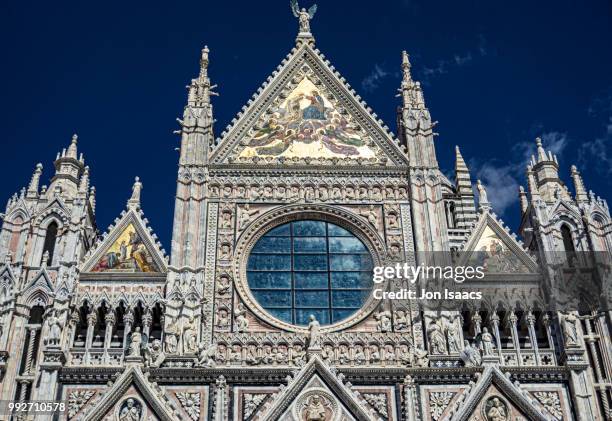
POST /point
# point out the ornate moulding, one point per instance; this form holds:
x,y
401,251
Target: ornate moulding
x,y
354,223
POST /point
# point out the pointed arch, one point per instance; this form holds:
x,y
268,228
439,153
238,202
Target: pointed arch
x,y
51,234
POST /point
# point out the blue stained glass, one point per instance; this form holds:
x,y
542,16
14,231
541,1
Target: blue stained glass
x,y
282,230
310,262
350,262
310,267
310,245
281,313
348,280
273,298
269,262
346,245
258,280
318,299
309,228
336,231
272,245
311,280
338,315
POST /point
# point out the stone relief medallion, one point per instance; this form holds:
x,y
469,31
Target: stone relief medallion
x,y
495,409
131,409
316,405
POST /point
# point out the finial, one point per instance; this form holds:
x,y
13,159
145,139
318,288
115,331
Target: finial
x,y
134,202
33,187
304,17
406,66
72,149
204,62
541,152
581,194
200,89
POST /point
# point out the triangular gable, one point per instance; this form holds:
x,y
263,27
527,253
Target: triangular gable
x,y
318,387
307,114
493,247
41,281
55,207
128,247
153,396
7,277
563,207
495,394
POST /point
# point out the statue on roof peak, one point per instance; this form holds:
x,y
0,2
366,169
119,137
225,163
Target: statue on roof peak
x,y
303,15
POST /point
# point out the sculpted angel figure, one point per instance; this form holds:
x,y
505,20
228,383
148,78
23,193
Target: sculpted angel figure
x,y
470,355
206,354
303,15
154,354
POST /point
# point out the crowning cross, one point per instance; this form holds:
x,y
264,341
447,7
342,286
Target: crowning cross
x,y
304,16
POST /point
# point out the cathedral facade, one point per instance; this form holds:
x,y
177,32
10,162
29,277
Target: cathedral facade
x,y
264,310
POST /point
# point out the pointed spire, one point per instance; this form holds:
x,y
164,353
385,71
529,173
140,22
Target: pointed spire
x,y
72,149
460,164
462,175
581,194
200,89
33,187
407,77
204,63
134,202
523,200
541,152
410,91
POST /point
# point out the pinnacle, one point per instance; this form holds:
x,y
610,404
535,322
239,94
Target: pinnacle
x,y
541,152
460,164
72,149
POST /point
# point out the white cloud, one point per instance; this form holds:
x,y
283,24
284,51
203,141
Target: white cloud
x,y
457,60
501,183
371,82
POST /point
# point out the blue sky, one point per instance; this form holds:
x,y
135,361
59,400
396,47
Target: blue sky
x,y
495,76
